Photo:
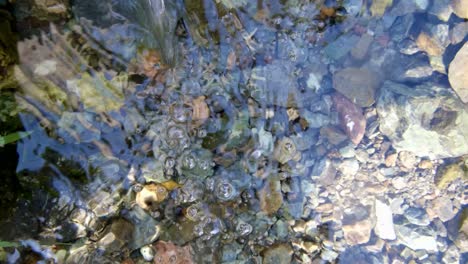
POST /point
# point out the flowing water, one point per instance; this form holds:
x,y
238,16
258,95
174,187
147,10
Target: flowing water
x,y
234,131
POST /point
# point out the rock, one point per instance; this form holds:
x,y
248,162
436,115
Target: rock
x,y
358,233
442,9
384,223
399,183
324,171
425,164
390,160
270,196
460,8
347,151
407,159
359,51
147,252
150,196
349,167
118,235
351,119
285,150
280,254
417,238
449,173
378,7
315,120
333,134
425,120
458,32
428,44
457,73
201,112
357,84
417,216
167,252
443,208
341,46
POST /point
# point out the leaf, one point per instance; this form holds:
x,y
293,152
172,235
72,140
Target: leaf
x,y
7,244
13,137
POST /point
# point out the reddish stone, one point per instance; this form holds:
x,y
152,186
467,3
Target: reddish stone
x,y
351,118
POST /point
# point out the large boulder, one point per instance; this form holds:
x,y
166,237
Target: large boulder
x,y
427,120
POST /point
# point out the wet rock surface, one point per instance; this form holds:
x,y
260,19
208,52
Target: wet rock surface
x,y
242,132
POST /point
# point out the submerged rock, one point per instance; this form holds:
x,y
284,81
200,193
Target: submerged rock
x,y
416,121
457,73
167,252
351,119
280,254
271,197
357,84
384,223
460,8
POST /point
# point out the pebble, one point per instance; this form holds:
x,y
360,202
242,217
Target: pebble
x,y
399,183
390,160
407,159
349,167
425,164
147,252
348,151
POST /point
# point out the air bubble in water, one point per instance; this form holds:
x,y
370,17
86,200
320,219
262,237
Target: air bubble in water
x,y
224,190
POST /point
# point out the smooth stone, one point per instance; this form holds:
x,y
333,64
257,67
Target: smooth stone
x,y
357,84
384,223
147,252
457,73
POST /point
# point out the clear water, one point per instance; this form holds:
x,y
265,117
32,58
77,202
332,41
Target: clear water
x,y
216,132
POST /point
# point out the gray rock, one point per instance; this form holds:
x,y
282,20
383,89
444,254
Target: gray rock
x,y
357,84
341,46
416,121
416,237
349,167
443,208
417,216
324,171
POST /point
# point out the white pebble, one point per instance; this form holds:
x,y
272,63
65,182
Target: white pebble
x,y
147,252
